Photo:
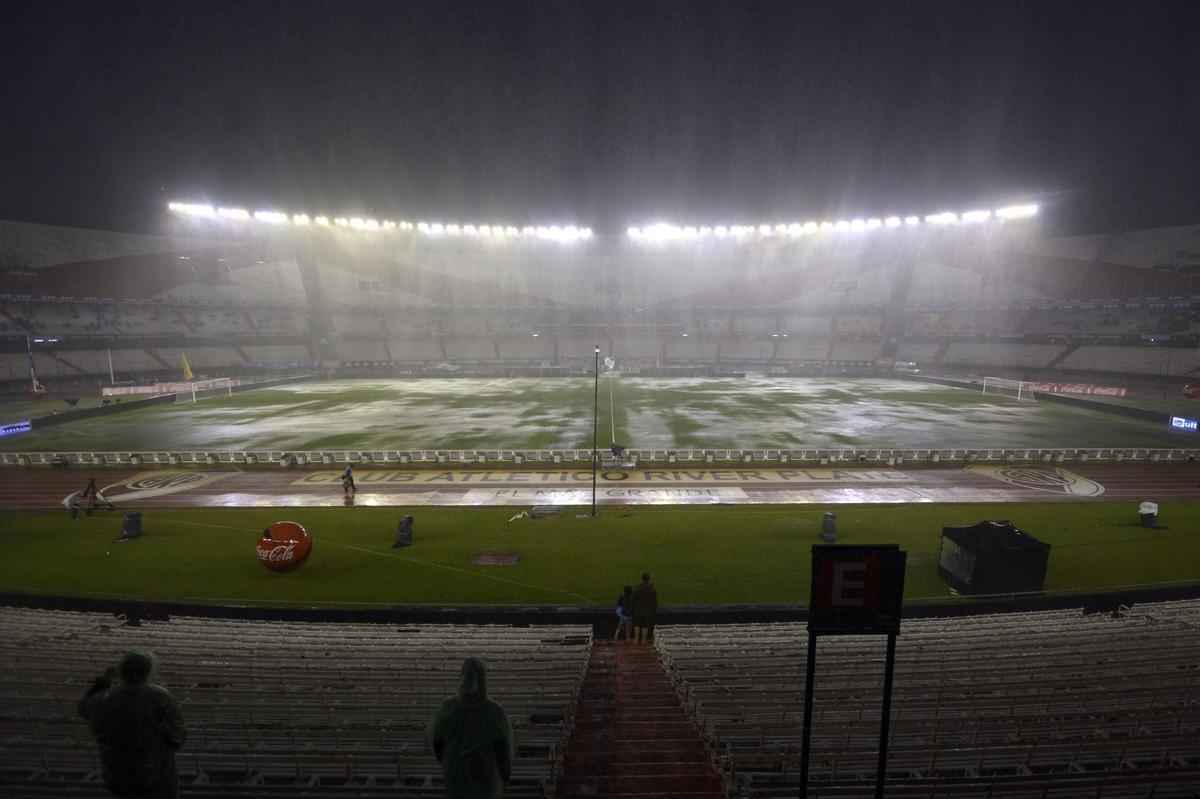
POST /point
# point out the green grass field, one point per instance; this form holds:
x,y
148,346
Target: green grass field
x,y
532,413
713,555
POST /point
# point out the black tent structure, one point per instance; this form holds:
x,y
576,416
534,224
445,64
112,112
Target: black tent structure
x,y
992,557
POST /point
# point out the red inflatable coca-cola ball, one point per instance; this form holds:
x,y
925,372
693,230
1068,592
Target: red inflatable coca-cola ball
x,y
284,546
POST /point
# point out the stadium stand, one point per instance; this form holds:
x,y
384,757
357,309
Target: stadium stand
x,y
922,352
470,349
355,350
423,350
855,349
201,357
1108,307
632,345
691,349
282,709
1138,360
277,354
746,350
357,322
803,348
1001,353
1030,699
124,362
577,348
14,366
525,349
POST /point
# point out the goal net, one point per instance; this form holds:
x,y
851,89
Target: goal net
x,y
207,389
1014,389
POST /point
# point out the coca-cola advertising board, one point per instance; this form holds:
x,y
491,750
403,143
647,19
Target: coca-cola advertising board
x,y
284,546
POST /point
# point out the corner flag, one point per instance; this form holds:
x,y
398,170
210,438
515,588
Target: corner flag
x,y
187,368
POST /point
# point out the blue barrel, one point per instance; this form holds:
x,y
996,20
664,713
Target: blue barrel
x,y
132,526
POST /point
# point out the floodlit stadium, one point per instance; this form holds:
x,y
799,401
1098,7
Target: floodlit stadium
x,y
557,407
467,400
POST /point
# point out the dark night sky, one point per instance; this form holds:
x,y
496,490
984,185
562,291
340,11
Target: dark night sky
x,y
604,113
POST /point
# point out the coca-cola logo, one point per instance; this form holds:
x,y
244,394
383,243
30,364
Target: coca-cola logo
x,y
284,546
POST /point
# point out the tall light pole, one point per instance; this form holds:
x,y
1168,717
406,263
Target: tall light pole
x,y
595,425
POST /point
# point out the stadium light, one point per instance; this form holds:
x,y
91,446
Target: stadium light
x,y
389,224
273,217
239,214
942,218
193,209
858,225
841,226
892,221
827,227
406,225
437,228
453,229
912,220
721,231
764,230
322,220
976,216
300,220
809,228
341,221
874,224
1017,211
511,231
528,231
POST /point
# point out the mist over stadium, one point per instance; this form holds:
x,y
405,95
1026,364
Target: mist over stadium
x,y
628,401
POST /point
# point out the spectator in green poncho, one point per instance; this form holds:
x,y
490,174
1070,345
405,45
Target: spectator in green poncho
x,y
472,739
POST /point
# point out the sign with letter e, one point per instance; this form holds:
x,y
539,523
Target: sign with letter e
x,y
856,590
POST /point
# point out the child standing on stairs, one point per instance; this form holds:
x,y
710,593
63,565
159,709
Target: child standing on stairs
x,y
625,615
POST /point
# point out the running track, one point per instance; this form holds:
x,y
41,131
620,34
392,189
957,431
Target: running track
x,y
166,488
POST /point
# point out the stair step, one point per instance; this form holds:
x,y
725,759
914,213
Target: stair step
x,y
632,738
631,782
658,794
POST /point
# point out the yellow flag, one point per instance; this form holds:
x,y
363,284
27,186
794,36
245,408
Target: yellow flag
x,y
187,368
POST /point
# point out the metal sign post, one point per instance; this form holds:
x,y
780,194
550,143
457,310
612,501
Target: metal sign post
x,y
595,426
856,590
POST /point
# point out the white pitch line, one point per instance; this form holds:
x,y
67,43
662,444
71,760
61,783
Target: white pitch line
x,y
419,562
464,571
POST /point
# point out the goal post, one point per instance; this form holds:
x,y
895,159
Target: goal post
x,y
1021,390
216,387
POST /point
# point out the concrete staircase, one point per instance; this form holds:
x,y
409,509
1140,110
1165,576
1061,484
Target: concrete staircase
x,y
1062,356
631,737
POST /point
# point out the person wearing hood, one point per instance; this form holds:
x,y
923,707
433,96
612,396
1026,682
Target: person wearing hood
x,y
138,727
472,739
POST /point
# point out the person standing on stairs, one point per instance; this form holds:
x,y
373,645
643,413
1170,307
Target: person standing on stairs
x,y
625,615
645,608
472,739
